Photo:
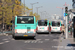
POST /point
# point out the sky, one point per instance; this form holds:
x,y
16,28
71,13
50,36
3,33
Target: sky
x,y
49,6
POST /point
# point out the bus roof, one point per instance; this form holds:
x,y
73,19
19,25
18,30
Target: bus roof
x,y
25,16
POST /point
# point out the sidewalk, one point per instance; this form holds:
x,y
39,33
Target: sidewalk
x,y
66,44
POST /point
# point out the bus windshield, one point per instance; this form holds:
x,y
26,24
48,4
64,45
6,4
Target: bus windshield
x,y
54,23
25,20
42,23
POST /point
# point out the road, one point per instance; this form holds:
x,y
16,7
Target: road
x,y
41,42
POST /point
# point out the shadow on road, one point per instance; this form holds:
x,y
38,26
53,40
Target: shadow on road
x,y
43,33
55,33
71,45
25,38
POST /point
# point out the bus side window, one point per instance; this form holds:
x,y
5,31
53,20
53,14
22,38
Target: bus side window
x,y
45,22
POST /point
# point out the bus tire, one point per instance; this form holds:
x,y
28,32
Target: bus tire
x,y
48,32
51,32
13,36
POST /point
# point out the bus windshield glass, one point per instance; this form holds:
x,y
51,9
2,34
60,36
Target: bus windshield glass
x,y
54,23
25,20
42,23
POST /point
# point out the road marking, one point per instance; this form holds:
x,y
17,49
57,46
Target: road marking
x,y
38,39
2,43
6,34
45,35
47,39
35,48
41,35
32,41
12,39
59,40
55,40
5,39
26,41
51,36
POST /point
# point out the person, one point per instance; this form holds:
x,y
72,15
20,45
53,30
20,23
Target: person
x,y
63,29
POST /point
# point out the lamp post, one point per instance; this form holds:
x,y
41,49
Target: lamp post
x,y
37,9
62,11
24,6
44,14
32,5
66,11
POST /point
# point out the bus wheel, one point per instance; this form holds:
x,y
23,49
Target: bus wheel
x,y
51,32
13,36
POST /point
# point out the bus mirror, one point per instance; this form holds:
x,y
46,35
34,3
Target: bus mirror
x,y
11,21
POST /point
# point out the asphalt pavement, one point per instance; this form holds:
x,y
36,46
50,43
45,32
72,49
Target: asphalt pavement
x,y
40,42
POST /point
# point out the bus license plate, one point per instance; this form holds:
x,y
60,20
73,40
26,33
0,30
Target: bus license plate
x,y
30,32
25,35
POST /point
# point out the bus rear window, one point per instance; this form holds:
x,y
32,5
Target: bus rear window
x,y
25,20
54,23
42,23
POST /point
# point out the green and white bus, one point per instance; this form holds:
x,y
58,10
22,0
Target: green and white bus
x,y
24,26
55,26
42,26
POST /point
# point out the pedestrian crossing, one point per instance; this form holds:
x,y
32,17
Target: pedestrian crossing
x,y
37,39
28,41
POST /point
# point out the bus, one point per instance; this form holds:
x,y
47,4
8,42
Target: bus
x,y
55,26
42,26
24,26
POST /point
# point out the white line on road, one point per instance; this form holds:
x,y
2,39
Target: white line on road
x,y
2,43
47,39
55,39
6,34
45,35
5,39
12,39
32,41
26,41
38,39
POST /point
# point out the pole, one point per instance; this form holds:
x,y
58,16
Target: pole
x,y
41,15
62,13
66,27
2,21
37,11
24,6
32,8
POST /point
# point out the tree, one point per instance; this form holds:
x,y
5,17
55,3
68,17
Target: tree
x,y
17,8
30,14
37,16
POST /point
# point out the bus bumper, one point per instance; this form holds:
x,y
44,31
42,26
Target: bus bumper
x,y
25,34
42,31
56,31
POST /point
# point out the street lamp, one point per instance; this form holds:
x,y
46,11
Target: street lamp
x,y
32,5
62,11
24,6
37,9
43,12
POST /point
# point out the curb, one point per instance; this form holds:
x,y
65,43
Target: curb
x,y
2,34
59,40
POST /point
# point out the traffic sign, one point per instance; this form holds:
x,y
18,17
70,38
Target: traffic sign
x,y
64,14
